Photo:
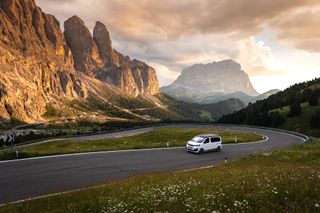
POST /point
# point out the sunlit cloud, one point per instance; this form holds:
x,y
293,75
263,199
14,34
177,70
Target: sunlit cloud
x,y
171,35
300,28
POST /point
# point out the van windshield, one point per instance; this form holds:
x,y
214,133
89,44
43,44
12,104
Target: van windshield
x,y
197,139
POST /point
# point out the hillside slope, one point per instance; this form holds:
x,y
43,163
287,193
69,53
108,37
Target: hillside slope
x,y
291,109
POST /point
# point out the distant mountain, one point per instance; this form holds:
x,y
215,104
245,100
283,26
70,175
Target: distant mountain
x,y
263,96
203,112
213,82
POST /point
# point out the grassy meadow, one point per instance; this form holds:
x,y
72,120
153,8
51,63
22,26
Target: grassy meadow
x,y
163,137
281,181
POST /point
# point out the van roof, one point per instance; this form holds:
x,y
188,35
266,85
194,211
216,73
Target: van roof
x,y
208,135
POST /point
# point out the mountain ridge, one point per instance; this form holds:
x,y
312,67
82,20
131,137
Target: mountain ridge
x,y
40,64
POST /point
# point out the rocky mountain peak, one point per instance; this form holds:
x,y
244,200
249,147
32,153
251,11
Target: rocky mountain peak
x,y
212,80
85,51
223,76
228,64
102,38
39,64
30,31
220,66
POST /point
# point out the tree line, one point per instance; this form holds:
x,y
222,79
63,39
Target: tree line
x,y
267,112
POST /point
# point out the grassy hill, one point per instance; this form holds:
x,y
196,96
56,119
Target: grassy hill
x,y
300,123
159,108
292,109
85,117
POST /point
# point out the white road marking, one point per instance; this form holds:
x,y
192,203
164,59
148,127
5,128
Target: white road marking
x,y
134,150
89,153
149,149
115,151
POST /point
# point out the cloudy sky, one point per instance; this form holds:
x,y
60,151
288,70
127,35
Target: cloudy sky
x,y
276,42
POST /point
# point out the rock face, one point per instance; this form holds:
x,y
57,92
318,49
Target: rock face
x,y
102,38
85,51
211,81
40,65
132,76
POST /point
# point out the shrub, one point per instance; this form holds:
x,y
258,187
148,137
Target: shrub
x,y
51,112
276,119
295,110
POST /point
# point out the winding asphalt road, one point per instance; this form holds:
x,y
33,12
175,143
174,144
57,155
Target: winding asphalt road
x,y
23,179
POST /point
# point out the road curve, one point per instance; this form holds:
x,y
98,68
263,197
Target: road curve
x,y
23,179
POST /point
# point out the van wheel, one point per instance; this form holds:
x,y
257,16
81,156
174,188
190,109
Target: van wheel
x,y
219,149
201,151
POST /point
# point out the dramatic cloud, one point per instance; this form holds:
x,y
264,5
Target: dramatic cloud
x,y
301,28
175,18
171,34
149,20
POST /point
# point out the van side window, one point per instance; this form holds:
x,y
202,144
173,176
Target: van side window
x,y
215,139
206,140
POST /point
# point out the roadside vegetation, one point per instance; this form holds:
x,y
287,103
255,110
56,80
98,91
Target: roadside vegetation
x,y
281,181
162,137
30,133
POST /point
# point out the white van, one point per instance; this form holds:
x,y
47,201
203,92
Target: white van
x,y
204,143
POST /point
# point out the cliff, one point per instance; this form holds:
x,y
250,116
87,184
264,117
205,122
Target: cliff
x,y
39,64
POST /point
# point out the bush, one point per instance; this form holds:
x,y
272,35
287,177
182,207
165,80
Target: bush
x,y
315,119
51,112
276,119
295,110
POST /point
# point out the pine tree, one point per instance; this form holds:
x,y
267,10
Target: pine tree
x,y
313,100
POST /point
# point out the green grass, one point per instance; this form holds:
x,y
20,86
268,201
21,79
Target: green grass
x,y
205,115
154,139
13,122
300,123
282,181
